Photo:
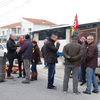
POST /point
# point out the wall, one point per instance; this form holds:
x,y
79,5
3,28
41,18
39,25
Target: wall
x,y
26,25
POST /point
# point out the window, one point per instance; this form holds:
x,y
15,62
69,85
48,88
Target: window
x,y
29,29
61,32
19,30
3,32
14,30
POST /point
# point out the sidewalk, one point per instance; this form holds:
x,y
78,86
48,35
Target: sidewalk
x,y
59,69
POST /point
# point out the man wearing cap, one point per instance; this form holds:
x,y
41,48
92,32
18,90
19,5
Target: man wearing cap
x,y
72,54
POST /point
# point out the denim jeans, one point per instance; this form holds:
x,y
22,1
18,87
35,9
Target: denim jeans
x,y
91,78
51,73
34,68
83,73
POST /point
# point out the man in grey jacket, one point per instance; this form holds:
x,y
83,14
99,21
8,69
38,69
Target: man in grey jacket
x,y
72,54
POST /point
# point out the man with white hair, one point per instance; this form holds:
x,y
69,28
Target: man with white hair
x,y
11,54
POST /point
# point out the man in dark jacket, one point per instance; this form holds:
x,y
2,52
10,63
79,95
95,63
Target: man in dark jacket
x,y
26,51
72,53
91,64
51,59
11,54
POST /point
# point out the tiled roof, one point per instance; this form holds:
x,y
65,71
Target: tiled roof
x,y
39,21
14,25
35,21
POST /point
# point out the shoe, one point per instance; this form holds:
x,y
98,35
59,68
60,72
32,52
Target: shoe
x,y
26,82
95,91
2,80
85,92
82,83
77,92
52,87
65,92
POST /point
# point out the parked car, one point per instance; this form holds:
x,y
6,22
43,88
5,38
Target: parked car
x,y
3,50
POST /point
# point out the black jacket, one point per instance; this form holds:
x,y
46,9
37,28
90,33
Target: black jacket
x,y
36,55
51,51
11,48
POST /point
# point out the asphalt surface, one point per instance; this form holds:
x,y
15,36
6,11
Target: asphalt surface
x,y
36,90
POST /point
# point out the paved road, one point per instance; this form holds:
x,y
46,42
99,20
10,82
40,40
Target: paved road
x,y
15,90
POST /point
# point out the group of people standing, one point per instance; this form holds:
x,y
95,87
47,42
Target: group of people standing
x,y
82,52
78,53
27,52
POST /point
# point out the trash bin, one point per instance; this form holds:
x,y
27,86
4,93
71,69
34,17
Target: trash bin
x,y
2,68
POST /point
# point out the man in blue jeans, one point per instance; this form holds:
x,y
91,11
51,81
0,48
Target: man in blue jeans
x,y
91,64
51,58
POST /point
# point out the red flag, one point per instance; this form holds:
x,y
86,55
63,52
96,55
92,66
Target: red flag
x,y
75,25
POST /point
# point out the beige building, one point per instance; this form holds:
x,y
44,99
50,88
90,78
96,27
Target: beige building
x,y
24,26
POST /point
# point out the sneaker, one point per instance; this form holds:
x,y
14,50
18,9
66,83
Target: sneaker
x,y
26,82
95,91
85,92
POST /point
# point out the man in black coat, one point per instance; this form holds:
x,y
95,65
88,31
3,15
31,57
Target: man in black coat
x,y
11,54
51,59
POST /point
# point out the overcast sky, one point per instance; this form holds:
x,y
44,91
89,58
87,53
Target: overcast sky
x,y
57,11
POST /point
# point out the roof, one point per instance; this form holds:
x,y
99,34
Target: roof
x,y
39,21
81,26
34,21
14,25
53,27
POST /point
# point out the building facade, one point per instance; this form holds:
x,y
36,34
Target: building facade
x,y
25,26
